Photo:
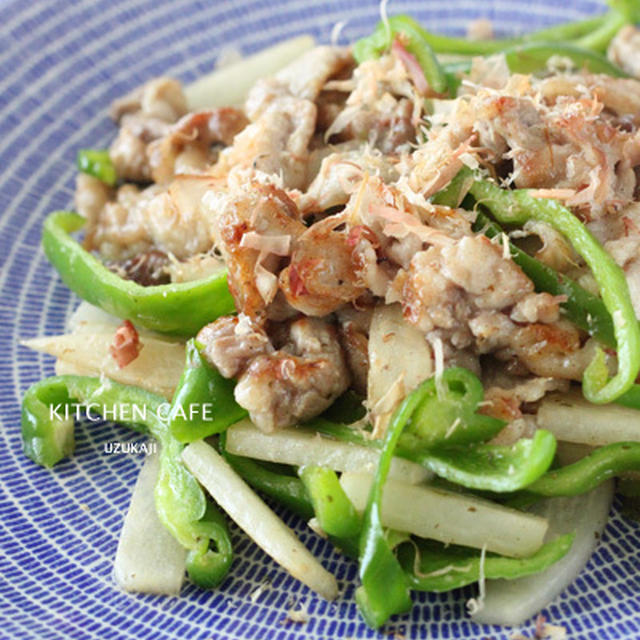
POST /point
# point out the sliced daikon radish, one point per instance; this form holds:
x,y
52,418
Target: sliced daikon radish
x,y
452,518
148,559
255,518
88,318
399,360
157,368
570,452
64,368
300,447
511,602
230,84
572,419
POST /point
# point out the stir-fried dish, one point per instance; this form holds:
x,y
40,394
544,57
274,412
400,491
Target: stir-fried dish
x,y
404,274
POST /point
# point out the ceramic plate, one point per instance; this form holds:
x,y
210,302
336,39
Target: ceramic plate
x,y
61,64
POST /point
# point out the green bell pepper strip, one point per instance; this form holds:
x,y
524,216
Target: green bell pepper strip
x,y
180,309
487,467
207,567
203,403
516,207
581,307
97,163
334,511
415,42
47,432
465,46
630,507
482,467
289,491
630,9
180,502
631,398
629,486
286,489
598,39
447,415
385,587
348,408
534,56
433,566
566,31
587,473
454,193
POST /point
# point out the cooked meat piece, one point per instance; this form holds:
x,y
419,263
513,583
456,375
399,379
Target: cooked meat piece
x,y
303,78
479,267
480,29
147,269
329,104
445,286
537,307
624,50
188,145
144,116
297,382
551,350
492,331
276,143
160,98
279,387
256,227
128,151
91,196
283,117
354,337
341,174
173,220
387,129
431,301
383,107
505,403
119,232
231,343
197,267
321,276
177,219
470,294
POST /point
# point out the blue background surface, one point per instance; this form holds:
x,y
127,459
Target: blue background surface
x,y
61,63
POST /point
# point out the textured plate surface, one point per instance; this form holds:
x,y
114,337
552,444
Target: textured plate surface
x,y
61,63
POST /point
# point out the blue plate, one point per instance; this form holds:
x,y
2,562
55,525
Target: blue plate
x,y
61,63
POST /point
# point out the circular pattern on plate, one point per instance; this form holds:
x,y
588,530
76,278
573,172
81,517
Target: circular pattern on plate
x,y
61,63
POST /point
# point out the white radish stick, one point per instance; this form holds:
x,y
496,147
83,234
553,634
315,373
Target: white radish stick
x,y
157,368
399,360
229,85
256,519
511,602
572,419
300,447
452,518
148,559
